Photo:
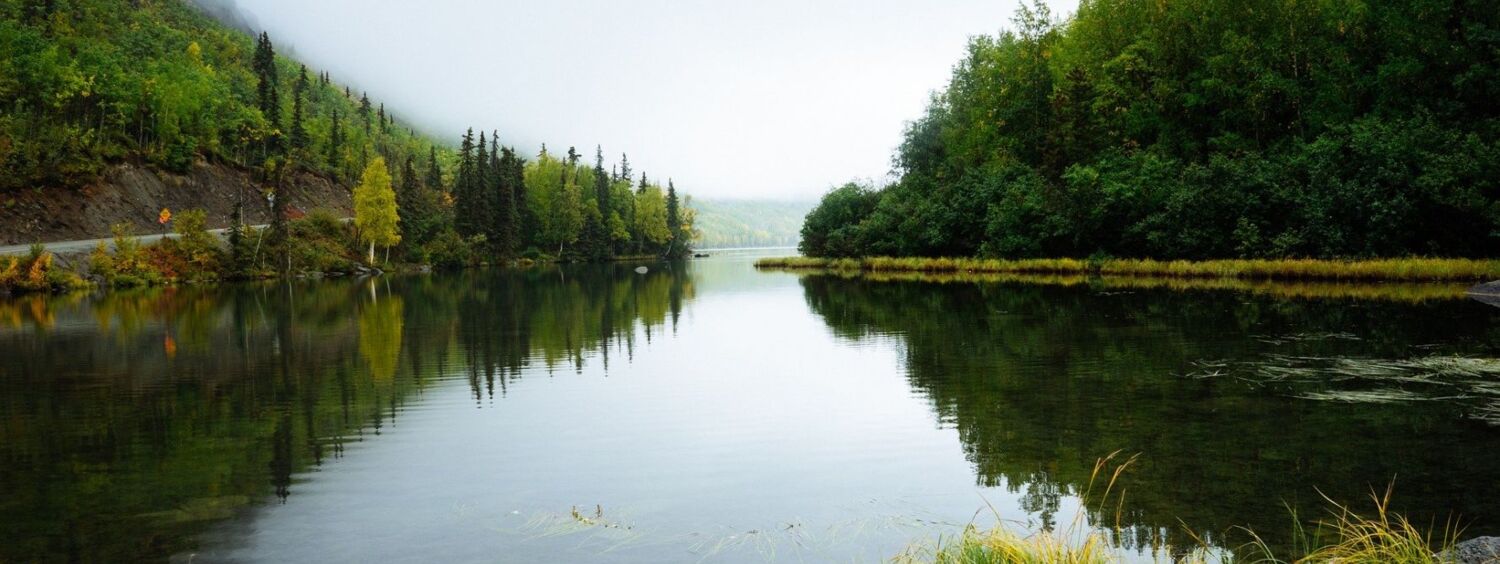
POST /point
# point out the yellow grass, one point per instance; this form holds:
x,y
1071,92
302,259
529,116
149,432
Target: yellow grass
x,y
1405,269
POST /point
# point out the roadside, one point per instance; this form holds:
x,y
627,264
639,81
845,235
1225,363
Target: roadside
x,y
80,246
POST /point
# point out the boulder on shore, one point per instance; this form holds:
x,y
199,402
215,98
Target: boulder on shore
x,y
1478,550
1488,292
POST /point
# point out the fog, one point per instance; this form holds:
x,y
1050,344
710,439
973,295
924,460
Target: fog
x,y
760,99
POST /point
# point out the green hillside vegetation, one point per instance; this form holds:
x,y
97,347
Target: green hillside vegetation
x,y
749,223
88,83
1200,130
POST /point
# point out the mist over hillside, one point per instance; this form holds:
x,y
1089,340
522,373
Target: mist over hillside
x,y
726,223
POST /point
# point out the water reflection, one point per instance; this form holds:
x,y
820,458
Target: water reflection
x,y
133,420
1042,380
724,413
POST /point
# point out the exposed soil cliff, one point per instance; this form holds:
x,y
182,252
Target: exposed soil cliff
x,y
135,194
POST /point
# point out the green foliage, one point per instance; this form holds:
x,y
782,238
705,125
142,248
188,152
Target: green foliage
x,y
1210,129
831,229
375,208
103,80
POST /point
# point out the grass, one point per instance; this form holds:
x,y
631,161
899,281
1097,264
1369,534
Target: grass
x,y
1403,269
1078,543
1345,536
1395,291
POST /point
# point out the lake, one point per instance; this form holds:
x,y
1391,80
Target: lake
x,y
711,412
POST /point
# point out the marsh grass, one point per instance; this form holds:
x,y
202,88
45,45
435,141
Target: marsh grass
x,y
1347,536
1409,292
1344,536
1407,269
1081,542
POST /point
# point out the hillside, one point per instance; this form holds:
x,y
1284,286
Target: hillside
x,y
113,109
748,223
110,111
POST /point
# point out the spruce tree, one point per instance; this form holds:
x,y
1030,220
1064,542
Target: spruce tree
x,y
408,202
364,110
335,143
601,182
434,173
381,116
677,244
624,167
263,64
491,218
299,130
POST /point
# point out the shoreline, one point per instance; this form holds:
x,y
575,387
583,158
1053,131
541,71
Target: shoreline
x,y
1413,269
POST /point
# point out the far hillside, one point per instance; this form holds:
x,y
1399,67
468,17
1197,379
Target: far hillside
x,y
749,223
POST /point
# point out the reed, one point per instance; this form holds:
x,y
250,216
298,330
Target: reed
x,y
1345,536
1389,269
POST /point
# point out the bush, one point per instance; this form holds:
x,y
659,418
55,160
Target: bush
x,y
36,272
448,250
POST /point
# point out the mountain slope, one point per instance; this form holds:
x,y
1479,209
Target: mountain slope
x,y
88,83
749,223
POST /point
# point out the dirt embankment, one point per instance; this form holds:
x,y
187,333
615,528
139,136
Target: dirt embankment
x,y
135,194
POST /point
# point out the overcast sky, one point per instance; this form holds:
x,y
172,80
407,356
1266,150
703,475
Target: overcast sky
x,y
747,99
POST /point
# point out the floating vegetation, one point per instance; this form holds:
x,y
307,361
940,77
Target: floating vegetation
x,y
599,533
1466,380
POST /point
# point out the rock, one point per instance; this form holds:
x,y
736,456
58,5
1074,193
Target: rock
x,y
1486,289
1488,292
641,270
1478,550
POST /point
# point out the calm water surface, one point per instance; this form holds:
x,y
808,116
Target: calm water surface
x,y
711,412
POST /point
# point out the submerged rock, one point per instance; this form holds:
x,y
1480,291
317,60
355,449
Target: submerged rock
x,y
1479,550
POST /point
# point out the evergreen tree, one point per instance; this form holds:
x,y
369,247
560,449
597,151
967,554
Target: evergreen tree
x,y
624,167
335,144
434,173
381,116
503,206
299,131
469,205
364,110
493,230
263,63
678,243
601,182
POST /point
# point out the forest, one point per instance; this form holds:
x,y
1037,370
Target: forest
x,y
85,84
1199,130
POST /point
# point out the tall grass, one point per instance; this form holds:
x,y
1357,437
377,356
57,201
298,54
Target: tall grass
x,y
1350,537
1079,543
1344,537
1409,269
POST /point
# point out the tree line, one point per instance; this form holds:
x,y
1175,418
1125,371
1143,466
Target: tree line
x,y
1205,129
86,83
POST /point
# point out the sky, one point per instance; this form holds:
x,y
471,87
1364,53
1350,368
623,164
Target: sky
x,y
750,99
